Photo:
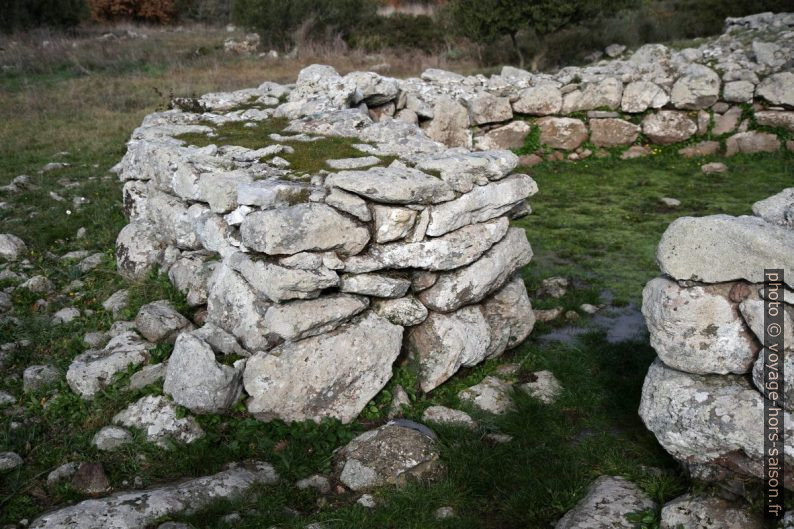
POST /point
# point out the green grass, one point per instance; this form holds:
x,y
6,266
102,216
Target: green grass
x,y
308,158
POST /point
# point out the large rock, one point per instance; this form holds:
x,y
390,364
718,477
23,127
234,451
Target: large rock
x,y
395,454
777,209
452,250
778,89
159,321
704,512
339,372
406,311
509,315
639,96
606,93
197,381
751,142
486,108
38,377
542,100
94,369
668,126
697,329
472,283
190,274
510,136
481,204
492,395
375,285
279,283
462,171
612,132
774,118
303,227
374,90
698,87
143,508
396,184
721,248
444,343
160,421
605,506
450,124
11,247
138,250
738,91
562,133
300,319
234,306
708,420
392,223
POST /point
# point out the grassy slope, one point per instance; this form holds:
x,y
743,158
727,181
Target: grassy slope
x,y
597,222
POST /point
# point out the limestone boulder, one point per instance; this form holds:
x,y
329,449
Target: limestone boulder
x,y
303,227
340,372
698,87
721,248
296,320
463,171
451,250
160,421
510,136
751,142
509,315
777,209
707,420
196,380
11,247
562,133
668,126
95,369
707,512
450,123
541,100
138,250
396,184
778,89
639,96
472,283
486,108
481,204
444,343
406,311
159,321
697,329
612,132
606,504
234,306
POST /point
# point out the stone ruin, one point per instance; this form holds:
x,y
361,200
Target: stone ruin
x,y
703,397
316,282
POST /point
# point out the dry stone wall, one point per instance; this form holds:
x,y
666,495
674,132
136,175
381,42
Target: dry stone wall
x,y
729,95
703,397
317,280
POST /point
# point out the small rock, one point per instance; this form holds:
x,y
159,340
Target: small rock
x,y
11,247
39,284
6,399
609,499
151,374
587,308
554,287
367,501
442,513
65,315
317,482
499,438
38,377
543,386
713,167
399,399
704,512
111,437
448,416
635,151
548,314
117,302
96,340
670,202
9,461
159,321
90,479
491,395
63,472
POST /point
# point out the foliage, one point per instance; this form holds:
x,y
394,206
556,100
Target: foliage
x,y
277,21
400,31
158,11
22,14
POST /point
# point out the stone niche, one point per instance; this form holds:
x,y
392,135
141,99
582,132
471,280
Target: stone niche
x,y
318,280
703,397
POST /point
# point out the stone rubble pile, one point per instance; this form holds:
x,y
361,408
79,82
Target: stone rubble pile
x,y
315,283
703,397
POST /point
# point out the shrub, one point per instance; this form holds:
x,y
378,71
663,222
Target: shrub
x,y
157,11
277,21
400,31
23,14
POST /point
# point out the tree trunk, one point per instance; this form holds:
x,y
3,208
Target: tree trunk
x,y
517,49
